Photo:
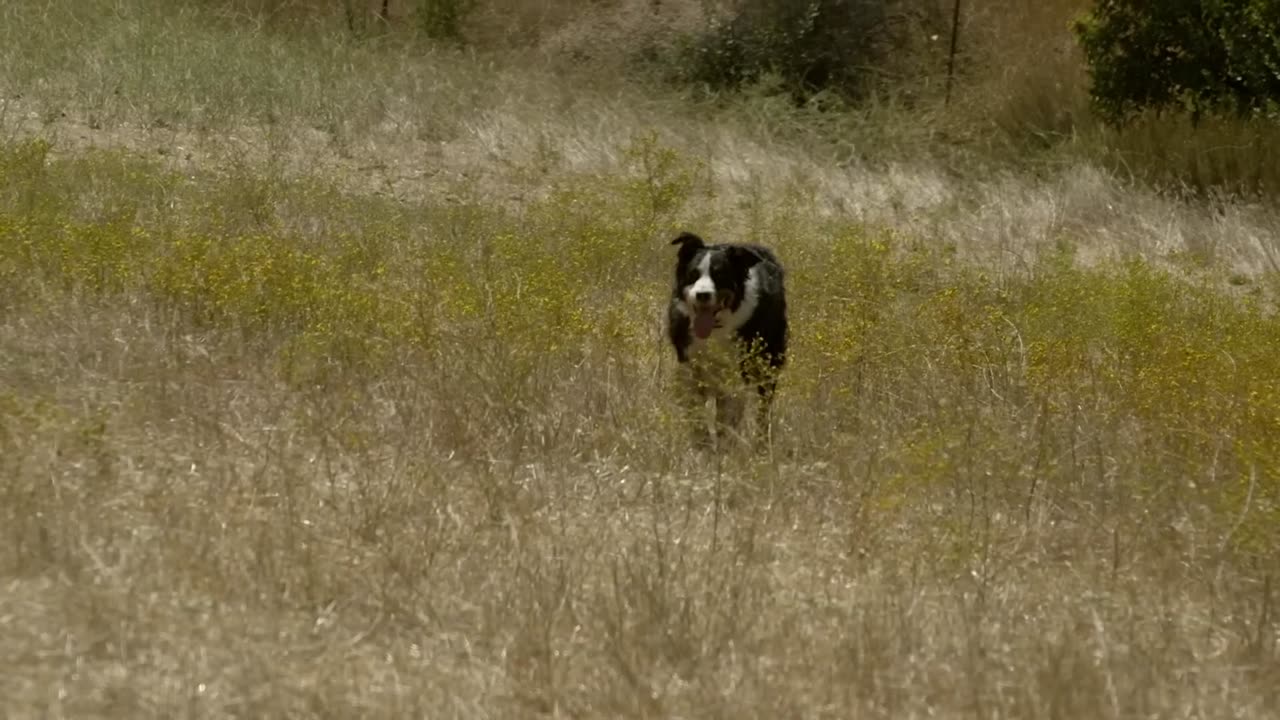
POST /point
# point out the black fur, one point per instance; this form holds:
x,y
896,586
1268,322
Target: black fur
x,y
761,338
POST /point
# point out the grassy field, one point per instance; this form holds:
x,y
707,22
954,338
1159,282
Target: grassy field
x,y
332,384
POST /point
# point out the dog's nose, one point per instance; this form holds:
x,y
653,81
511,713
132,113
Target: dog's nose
x,y
702,296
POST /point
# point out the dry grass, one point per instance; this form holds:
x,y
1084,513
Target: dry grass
x,y
347,397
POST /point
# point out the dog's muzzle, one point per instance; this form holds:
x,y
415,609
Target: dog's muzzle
x,y
705,309
704,320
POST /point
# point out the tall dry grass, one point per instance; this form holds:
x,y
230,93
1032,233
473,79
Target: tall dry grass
x,y
1027,77
349,397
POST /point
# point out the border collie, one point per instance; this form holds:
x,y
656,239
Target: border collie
x,y
727,321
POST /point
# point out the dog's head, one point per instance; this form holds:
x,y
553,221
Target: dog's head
x,y
711,279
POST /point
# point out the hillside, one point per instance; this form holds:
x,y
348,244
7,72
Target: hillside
x,y
333,382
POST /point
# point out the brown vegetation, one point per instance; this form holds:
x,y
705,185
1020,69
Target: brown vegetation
x,y
332,383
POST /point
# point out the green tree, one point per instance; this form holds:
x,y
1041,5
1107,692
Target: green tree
x,y
1202,56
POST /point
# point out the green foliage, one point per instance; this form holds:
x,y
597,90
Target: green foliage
x,y
662,180
1129,361
1202,56
810,46
23,180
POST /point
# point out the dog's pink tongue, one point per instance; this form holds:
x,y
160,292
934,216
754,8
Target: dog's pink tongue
x,y
703,323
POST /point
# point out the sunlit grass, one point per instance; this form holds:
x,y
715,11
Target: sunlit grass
x,y
277,441
307,427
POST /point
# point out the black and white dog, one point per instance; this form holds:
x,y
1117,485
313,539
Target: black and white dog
x,y
727,321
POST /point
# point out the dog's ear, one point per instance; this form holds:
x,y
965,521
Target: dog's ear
x,y
689,241
689,244
743,258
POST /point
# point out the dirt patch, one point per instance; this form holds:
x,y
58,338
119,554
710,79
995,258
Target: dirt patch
x,y
384,163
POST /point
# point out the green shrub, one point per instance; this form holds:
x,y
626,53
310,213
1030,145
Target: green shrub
x,y
1204,56
810,46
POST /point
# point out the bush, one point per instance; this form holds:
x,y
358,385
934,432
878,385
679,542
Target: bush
x,y
442,19
837,45
1198,55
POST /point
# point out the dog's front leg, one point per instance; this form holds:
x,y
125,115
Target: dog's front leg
x,y
764,415
730,407
693,405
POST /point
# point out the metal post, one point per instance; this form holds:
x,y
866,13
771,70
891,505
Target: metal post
x,y
951,57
